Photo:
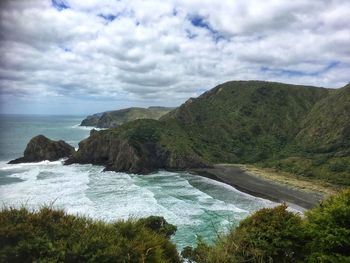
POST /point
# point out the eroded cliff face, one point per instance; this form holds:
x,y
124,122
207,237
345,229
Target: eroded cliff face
x,y
41,148
124,155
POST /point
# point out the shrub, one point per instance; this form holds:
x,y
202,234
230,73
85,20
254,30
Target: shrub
x,y
53,236
276,235
269,235
159,225
328,226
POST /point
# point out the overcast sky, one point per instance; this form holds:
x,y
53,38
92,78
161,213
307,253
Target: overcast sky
x,y
79,57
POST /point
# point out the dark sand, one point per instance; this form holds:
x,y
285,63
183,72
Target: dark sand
x,y
260,187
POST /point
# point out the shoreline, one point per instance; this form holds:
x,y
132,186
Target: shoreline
x,y
247,182
261,187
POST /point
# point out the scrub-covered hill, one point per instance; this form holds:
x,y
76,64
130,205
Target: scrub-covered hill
x,y
299,129
111,119
322,145
245,121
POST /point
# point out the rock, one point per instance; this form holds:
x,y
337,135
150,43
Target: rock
x,y
41,148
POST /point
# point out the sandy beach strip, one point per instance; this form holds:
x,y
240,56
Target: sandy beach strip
x,y
261,187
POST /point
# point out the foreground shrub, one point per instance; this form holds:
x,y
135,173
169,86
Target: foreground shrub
x,y
53,236
276,235
329,229
269,235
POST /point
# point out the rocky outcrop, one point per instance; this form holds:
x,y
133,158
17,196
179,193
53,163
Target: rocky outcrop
x,y
122,155
41,148
92,120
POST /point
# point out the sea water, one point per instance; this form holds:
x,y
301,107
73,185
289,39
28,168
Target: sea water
x,y
199,207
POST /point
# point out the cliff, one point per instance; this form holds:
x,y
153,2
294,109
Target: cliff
x,y
142,146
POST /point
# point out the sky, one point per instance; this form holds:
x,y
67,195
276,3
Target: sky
x,y
82,57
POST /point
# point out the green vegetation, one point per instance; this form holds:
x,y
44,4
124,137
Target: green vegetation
x,y
111,119
52,236
276,235
297,129
168,134
335,170
269,235
327,127
245,121
328,228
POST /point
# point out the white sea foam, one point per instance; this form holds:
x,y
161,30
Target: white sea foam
x,y
86,190
77,126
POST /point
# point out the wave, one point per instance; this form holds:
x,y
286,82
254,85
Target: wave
x,y
88,128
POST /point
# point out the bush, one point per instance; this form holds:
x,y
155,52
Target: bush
x,y
159,225
269,235
53,236
328,226
276,235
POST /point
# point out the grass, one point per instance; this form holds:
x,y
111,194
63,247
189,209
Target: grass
x,y
290,179
318,168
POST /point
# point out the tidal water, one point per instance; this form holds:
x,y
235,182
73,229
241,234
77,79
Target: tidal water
x,y
198,206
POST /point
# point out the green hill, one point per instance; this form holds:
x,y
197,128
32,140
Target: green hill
x,y
299,129
327,126
111,119
246,121
321,148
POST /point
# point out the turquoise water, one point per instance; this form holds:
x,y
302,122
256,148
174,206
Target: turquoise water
x,y
197,205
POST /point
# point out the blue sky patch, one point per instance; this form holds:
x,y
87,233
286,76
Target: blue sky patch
x,y
298,73
108,18
60,4
199,21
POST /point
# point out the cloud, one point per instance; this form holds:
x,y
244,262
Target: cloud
x,y
162,52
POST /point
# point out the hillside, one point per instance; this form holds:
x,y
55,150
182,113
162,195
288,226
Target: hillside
x,y
245,121
111,119
327,127
321,148
269,124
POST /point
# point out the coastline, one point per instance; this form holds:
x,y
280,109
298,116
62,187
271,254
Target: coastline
x,y
261,187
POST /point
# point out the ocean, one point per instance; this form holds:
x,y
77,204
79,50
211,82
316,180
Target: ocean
x,y
198,206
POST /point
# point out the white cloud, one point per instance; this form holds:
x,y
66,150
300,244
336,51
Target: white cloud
x,y
162,52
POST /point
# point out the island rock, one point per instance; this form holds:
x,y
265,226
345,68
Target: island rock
x,y
41,148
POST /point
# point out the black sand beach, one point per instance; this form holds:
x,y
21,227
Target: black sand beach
x,y
260,187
